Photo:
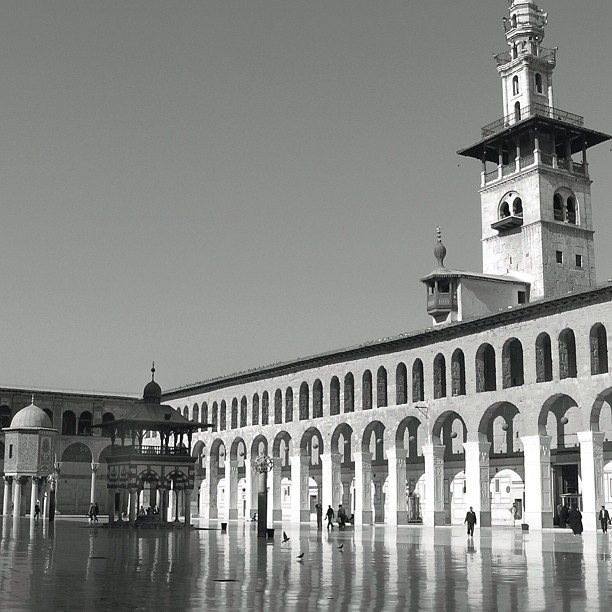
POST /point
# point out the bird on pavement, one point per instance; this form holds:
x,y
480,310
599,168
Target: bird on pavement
x,y
286,538
300,557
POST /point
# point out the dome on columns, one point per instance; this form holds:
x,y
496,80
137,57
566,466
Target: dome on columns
x,y
31,417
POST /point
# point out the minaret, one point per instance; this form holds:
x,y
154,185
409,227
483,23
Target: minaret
x,y
535,187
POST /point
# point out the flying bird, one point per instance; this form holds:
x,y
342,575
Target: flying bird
x,y
286,538
300,557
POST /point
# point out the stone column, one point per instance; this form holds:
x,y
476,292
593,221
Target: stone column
x,y
332,484
17,497
33,496
250,474
538,481
187,507
477,480
591,475
231,489
110,501
6,504
396,489
210,488
92,489
133,513
363,488
300,512
433,513
274,485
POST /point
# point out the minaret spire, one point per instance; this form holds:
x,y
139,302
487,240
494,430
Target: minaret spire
x,y
153,371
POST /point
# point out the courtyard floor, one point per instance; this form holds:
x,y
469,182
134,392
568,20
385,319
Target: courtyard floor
x,y
72,566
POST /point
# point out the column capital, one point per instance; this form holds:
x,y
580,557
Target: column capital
x,y
481,447
396,453
94,467
537,440
363,456
330,456
8,479
435,450
594,437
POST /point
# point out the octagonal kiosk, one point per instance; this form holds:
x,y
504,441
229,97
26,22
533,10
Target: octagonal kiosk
x,y
150,467
29,457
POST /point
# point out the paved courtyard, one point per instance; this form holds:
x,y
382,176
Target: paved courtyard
x,y
70,566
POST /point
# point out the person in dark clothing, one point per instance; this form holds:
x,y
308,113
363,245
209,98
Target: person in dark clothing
x,y
470,519
96,511
563,516
575,520
341,517
37,510
319,509
604,519
329,515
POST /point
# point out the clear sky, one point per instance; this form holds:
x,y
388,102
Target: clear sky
x,y
218,185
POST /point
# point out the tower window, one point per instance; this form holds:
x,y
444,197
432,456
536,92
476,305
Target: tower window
x,y
514,52
517,111
10,451
517,207
558,207
579,261
522,297
538,83
504,210
515,86
571,210
559,256
514,21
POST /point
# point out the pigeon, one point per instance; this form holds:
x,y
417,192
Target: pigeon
x,y
300,557
341,547
286,538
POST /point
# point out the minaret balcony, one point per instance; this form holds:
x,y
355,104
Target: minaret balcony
x,y
529,51
533,110
507,223
440,303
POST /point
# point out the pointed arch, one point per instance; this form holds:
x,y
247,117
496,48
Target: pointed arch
x,y
234,424
304,402
223,416
289,405
215,416
544,369
255,410
512,364
265,408
243,411
317,399
567,354
401,384
486,376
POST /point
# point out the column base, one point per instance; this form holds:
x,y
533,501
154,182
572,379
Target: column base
x,y
277,515
232,514
213,513
400,518
538,520
366,518
434,519
484,518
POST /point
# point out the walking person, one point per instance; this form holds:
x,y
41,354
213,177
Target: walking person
x,y
319,509
604,519
470,519
90,513
563,517
341,517
329,515
37,510
575,520
96,511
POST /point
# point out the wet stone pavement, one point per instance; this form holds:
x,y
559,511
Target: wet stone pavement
x,y
71,566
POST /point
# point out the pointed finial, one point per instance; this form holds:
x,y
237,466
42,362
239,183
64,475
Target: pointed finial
x,y
153,371
440,249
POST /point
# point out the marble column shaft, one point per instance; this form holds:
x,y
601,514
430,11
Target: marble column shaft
x,y
433,513
591,477
299,486
396,486
538,481
363,488
477,480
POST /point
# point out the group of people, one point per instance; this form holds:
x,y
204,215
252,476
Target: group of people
x,y
573,517
93,512
150,511
343,517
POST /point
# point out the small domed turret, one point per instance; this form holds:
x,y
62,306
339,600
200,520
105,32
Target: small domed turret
x,y
152,391
440,249
31,417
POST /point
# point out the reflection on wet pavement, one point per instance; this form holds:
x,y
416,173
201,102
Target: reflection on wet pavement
x,y
70,566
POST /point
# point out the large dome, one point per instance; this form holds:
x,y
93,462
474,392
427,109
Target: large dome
x,y
31,417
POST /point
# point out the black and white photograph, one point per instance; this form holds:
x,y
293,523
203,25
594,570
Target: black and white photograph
x,y
305,305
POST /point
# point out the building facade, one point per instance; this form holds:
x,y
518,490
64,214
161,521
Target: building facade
x,y
503,405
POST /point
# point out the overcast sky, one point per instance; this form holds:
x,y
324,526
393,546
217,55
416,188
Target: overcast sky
x,y
222,184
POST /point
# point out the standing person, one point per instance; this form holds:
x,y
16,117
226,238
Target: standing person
x,y
559,506
563,516
37,510
319,509
575,520
604,519
90,513
329,515
341,517
96,511
470,519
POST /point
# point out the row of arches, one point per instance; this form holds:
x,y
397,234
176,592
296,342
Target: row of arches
x,y
445,382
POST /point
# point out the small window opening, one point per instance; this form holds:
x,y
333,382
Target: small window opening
x,y
514,52
517,111
579,261
538,83
517,207
559,255
522,297
514,21
571,210
443,286
515,86
10,451
504,210
558,208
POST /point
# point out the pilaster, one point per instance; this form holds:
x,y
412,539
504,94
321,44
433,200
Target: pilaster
x,y
591,476
477,480
332,484
433,513
538,481
363,488
398,510
300,512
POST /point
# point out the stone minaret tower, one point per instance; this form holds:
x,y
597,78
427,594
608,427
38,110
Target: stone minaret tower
x,y
535,187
